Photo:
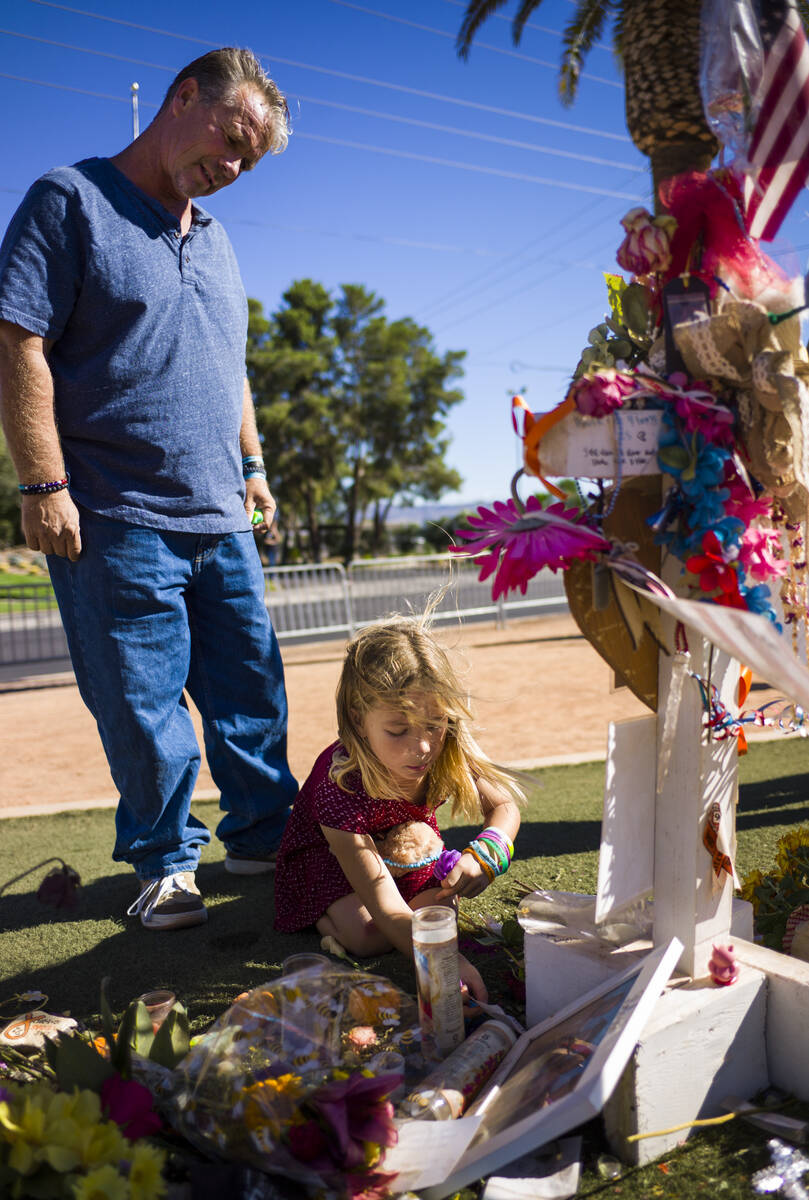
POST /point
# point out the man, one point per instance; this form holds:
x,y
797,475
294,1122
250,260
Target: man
x,y
123,326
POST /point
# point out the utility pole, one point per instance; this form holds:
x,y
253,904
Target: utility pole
x,y
135,125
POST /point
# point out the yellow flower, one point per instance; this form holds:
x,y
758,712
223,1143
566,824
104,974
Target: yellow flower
x,y
102,1143
272,1103
102,1184
790,842
749,884
145,1174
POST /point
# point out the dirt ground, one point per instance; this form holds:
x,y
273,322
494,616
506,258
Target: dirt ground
x,y
540,692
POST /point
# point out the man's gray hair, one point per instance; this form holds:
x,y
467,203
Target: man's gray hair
x,y
220,74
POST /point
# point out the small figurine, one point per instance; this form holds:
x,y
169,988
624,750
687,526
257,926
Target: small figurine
x,y
723,966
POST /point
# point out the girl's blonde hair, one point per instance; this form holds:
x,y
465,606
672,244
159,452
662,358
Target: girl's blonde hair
x,y
386,664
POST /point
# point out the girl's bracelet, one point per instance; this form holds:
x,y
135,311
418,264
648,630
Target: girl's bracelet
x,y
487,868
498,836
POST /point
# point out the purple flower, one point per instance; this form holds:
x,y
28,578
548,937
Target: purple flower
x,y
599,394
129,1104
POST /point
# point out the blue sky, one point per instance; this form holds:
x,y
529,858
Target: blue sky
x,y
464,194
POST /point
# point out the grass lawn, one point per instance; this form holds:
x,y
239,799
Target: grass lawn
x,y
65,954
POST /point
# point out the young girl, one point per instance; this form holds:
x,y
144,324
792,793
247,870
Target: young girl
x,y
404,749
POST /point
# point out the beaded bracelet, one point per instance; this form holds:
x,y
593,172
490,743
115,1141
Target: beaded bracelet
x,y
423,862
40,489
252,465
253,474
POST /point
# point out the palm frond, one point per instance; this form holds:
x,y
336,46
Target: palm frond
x,y
581,34
523,13
477,12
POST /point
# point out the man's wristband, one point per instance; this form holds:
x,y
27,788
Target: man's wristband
x,y
252,466
43,489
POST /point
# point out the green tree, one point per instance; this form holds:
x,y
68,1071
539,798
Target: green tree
x,y
657,43
290,366
393,398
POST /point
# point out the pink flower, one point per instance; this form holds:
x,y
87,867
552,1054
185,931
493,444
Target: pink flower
x,y
741,502
520,544
700,413
757,555
599,394
646,248
361,1036
129,1104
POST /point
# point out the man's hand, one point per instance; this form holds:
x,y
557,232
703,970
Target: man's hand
x,y
50,523
258,495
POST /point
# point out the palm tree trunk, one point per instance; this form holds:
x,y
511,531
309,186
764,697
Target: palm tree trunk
x,y
660,44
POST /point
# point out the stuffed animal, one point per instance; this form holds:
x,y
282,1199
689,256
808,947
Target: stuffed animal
x,y
413,845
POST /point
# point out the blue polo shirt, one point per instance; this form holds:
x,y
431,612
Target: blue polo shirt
x,y
149,330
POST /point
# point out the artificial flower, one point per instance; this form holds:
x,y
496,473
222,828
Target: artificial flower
x,y
599,394
129,1104
757,554
713,568
700,412
646,248
742,503
522,543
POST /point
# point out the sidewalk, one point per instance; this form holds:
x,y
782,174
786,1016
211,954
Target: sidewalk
x,y
540,693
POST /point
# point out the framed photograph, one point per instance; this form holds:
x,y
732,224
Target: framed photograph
x,y
560,1073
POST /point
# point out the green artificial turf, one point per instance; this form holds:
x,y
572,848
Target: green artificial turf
x,y
66,953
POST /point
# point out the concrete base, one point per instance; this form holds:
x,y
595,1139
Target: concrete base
x,y
560,969
701,1044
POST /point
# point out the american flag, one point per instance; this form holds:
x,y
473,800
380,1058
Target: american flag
x,y
779,147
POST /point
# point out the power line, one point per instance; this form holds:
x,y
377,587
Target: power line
x,y
467,133
407,243
396,87
464,166
369,112
406,154
537,62
63,87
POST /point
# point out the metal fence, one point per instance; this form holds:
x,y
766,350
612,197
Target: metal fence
x,y
308,601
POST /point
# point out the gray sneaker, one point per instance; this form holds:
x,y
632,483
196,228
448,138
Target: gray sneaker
x,y
250,864
171,902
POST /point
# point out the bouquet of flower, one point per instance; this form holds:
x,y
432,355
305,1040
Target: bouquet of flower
x,y
298,1077
779,895
58,1144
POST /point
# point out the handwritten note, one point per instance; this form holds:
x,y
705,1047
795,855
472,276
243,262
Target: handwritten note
x,y
624,444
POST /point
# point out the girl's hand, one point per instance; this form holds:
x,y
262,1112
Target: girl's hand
x,y
467,878
472,982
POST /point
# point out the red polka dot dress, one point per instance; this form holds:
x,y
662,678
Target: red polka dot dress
x,y
308,877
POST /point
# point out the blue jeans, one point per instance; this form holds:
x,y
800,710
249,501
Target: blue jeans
x,y
149,613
